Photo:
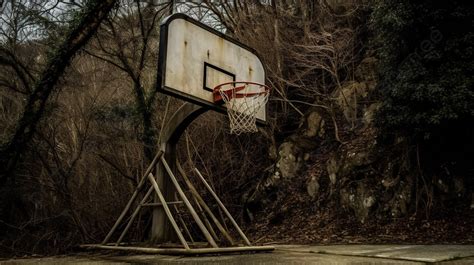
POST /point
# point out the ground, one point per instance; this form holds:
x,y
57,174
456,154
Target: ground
x,y
325,226
288,254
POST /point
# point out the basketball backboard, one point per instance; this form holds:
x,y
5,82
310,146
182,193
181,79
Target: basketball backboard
x,y
194,58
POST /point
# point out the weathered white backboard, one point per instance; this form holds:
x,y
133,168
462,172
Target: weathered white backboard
x,y
194,58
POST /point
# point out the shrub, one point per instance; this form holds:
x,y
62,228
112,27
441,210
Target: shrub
x,y
426,65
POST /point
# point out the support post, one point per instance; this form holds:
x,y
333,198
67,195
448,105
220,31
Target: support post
x,y
170,135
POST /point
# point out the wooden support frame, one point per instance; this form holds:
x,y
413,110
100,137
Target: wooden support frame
x,y
160,171
205,228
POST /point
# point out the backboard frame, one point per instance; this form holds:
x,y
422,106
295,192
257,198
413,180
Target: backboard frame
x,y
162,58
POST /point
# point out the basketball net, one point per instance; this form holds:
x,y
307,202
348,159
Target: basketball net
x,y
243,105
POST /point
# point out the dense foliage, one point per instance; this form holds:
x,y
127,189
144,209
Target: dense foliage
x,y
426,65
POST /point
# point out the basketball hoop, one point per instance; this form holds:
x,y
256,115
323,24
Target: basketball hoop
x,y
243,100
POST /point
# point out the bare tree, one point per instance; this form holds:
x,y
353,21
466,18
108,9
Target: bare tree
x,y
129,41
307,46
80,32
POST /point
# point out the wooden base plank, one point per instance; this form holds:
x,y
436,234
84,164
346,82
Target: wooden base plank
x,y
181,251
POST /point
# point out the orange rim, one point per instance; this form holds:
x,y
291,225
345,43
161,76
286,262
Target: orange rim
x,y
234,91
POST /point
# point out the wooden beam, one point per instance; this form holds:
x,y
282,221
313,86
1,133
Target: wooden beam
x,y
180,251
167,210
241,233
134,215
201,201
206,220
185,227
134,196
158,204
188,205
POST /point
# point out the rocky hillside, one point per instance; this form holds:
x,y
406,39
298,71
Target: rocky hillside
x,y
359,189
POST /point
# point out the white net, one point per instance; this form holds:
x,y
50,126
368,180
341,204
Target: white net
x,y
243,106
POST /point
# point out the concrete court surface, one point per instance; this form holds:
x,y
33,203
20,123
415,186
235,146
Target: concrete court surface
x,y
286,254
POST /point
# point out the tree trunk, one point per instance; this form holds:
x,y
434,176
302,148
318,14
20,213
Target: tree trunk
x,y
144,108
149,139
